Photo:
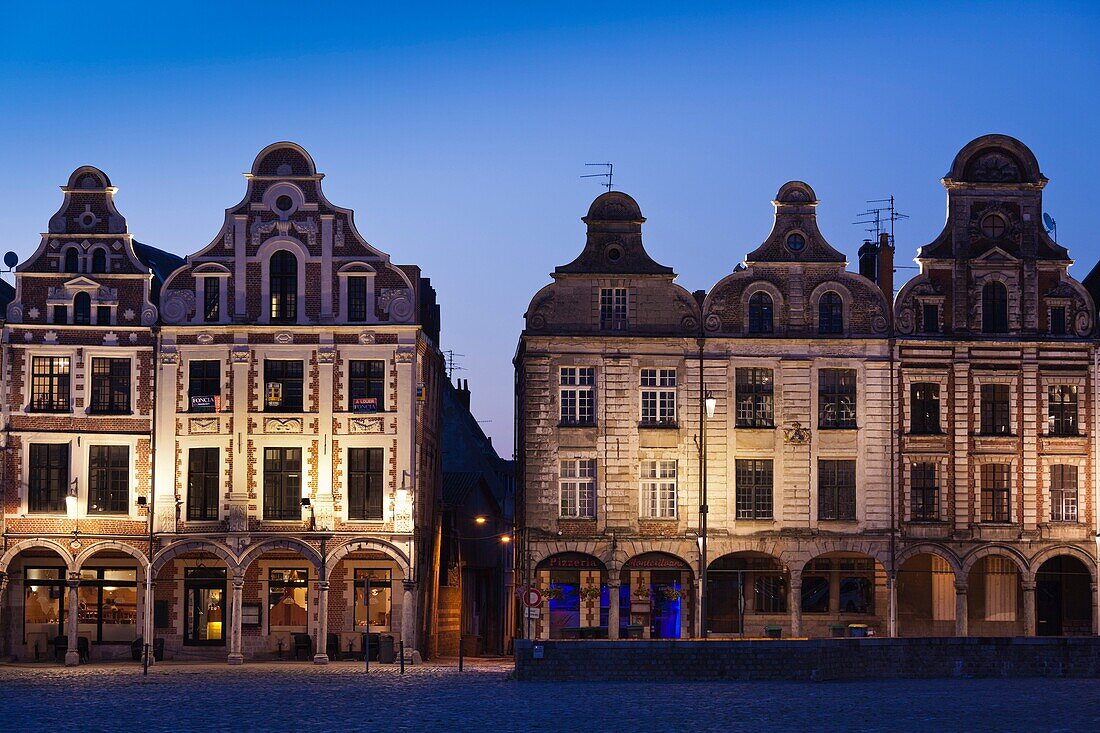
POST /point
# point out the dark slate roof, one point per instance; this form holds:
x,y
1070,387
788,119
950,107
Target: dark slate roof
x,y
160,262
458,485
7,295
1092,282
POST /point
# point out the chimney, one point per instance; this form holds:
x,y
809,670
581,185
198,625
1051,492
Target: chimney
x,y
886,268
868,260
463,390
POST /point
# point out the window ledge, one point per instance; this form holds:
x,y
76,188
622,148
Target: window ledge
x,y
925,434
754,427
565,518
576,424
838,429
980,434
109,413
659,519
658,426
378,521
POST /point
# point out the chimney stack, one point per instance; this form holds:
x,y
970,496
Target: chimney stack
x,y
868,260
886,268
463,390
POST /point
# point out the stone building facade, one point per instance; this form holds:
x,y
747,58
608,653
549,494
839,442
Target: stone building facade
x,y
805,417
284,439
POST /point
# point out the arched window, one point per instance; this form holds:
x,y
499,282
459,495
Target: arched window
x,y
830,314
82,309
760,313
994,308
284,287
72,260
99,261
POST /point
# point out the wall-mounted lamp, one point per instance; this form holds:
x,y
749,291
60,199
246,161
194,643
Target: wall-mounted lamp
x,y
506,538
142,501
480,519
711,402
70,500
305,501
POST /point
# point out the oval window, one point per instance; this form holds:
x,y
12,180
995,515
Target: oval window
x,y
796,242
284,203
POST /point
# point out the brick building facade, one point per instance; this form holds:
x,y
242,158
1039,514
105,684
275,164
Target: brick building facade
x,y
828,505
287,380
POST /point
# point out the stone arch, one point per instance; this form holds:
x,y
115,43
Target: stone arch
x,y
845,295
98,547
18,547
664,548
183,547
798,561
264,255
280,543
930,548
599,550
1077,553
364,544
779,309
972,558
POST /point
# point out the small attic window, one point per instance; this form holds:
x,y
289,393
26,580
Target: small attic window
x,y
284,203
994,226
614,253
796,242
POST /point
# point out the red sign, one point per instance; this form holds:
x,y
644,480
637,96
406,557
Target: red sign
x,y
532,598
656,561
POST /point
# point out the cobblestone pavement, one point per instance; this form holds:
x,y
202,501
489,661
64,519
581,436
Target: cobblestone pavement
x,y
437,698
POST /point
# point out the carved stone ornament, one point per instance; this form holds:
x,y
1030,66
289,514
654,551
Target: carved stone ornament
x,y
326,355
241,355
405,354
713,322
362,425
366,338
904,322
994,167
205,338
879,324
284,337
238,520
282,425
169,355
203,426
398,303
796,434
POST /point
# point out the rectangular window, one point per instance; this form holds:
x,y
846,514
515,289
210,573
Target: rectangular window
x,y
203,480
836,490
578,395
110,386
60,315
1062,409
283,385
754,489
659,489
925,401
995,410
48,478
367,383
287,590
204,385
755,398
357,299
577,488
109,479
770,593
658,396
815,594
930,313
613,309
365,471
1058,321
836,393
50,384
106,598
103,315
211,299
1063,493
283,484
996,492
924,492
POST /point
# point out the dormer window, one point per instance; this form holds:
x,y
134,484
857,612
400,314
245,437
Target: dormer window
x,y
830,314
1058,321
72,260
930,315
284,287
357,299
994,226
994,308
211,299
82,309
99,262
613,309
760,313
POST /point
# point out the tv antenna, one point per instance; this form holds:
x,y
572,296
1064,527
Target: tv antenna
x,y
608,174
449,361
881,218
1048,222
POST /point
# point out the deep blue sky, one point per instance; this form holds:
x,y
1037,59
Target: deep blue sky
x,y
458,134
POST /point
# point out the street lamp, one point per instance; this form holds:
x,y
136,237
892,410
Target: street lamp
x,y
70,500
707,405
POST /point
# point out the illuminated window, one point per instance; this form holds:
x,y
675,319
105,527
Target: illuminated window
x,y
658,396
1063,493
283,484
836,396
1062,410
577,488
836,490
287,607
108,479
659,489
373,591
924,418
284,287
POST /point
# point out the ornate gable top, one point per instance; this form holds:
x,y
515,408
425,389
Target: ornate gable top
x,y
614,243
996,159
795,236
284,160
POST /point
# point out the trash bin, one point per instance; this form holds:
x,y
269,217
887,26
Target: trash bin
x,y
857,631
386,653
370,643
773,632
838,631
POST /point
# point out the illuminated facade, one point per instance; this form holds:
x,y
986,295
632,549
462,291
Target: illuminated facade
x,y
834,505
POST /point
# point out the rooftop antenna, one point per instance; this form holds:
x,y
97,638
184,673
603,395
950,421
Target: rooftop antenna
x,y
610,172
880,218
449,360
1051,226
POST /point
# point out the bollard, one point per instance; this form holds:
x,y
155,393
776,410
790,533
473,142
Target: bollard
x,y
461,649
145,662
401,646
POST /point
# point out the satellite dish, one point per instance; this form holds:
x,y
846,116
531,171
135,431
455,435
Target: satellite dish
x,y
1048,220
11,260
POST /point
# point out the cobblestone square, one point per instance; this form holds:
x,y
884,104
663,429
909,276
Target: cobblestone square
x,y
437,698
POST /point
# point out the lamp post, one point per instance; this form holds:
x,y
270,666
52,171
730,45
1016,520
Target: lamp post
x,y
707,404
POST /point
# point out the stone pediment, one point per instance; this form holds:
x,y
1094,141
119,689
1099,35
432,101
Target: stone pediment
x,y
995,254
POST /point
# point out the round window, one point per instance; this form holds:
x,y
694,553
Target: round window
x,y
994,226
284,203
796,242
614,254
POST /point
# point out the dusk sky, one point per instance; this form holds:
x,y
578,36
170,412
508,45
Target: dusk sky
x,y
459,135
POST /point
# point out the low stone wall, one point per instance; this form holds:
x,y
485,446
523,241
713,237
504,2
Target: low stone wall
x,y
808,660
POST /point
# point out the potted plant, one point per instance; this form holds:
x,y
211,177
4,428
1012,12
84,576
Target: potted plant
x,y
589,593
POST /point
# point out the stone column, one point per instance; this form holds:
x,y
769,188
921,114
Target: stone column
x,y
795,604
1092,588
408,616
960,609
1029,607
147,619
613,608
892,590
72,654
320,654
235,655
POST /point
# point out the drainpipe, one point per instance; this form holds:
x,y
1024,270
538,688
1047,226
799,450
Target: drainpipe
x,y
148,630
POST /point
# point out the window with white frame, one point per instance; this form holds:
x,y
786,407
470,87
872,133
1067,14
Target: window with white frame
x,y
996,486
1062,409
578,395
659,489
577,488
659,396
755,397
613,309
1063,493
